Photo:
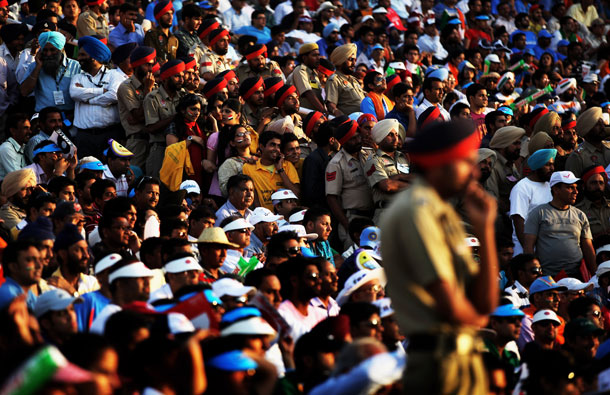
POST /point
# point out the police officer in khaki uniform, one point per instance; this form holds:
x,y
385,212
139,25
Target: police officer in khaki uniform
x,y
443,294
161,38
214,62
343,91
593,151
347,191
305,78
130,95
159,110
506,142
388,170
92,21
203,47
288,103
594,204
257,64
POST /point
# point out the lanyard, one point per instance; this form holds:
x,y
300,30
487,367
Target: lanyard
x,y
99,82
60,78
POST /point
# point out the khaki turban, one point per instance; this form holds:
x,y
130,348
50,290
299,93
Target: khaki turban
x,y
546,122
539,141
16,180
341,54
385,127
506,136
485,153
587,120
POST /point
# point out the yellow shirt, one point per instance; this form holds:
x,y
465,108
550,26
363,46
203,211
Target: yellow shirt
x,y
266,181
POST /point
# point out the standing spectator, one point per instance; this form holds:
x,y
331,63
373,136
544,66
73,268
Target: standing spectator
x,y
305,78
161,37
127,31
594,204
94,91
187,34
12,155
93,21
13,36
50,76
559,232
343,91
591,127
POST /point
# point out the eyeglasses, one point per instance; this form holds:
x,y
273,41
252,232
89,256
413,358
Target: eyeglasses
x,y
293,250
312,276
596,313
375,289
546,323
241,230
240,299
373,324
536,270
379,78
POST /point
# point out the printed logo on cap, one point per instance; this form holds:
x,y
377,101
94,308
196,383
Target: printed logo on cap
x,y
365,262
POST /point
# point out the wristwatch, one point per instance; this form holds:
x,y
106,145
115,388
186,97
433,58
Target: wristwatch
x,y
189,138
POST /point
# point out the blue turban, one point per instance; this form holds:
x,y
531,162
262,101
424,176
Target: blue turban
x,y
541,158
41,229
56,39
95,48
442,74
328,29
68,236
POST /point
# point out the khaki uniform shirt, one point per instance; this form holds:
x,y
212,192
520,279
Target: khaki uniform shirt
x,y
130,97
157,106
271,69
500,182
11,215
252,117
382,166
306,79
166,46
213,63
199,51
345,92
89,24
345,179
599,216
587,155
423,242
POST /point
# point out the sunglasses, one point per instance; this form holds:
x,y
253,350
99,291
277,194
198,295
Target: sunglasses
x,y
241,230
546,323
536,270
293,250
312,276
596,314
373,324
512,320
145,178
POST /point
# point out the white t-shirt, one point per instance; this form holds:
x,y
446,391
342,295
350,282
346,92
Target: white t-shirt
x,y
526,195
164,292
98,326
300,324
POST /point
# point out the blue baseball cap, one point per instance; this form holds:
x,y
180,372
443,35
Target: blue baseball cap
x,y
205,5
239,314
604,104
544,33
232,361
211,297
529,51
47,148
377,46
93,165
546,283
482,17
507,310
506,110
370,237
563,43
454,21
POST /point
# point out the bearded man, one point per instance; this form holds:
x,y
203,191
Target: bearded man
x,y
594,204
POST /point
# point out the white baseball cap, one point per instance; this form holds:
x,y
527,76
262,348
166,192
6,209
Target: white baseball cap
x,y
563,177
184,264
231,287
238,224
574,284
493,58
367,18
190,186
297,217
106,262
604,248
472,241
262,214
385,307
133,270
602,269
54,300
299,230
358,279
253,326
282,194
545,315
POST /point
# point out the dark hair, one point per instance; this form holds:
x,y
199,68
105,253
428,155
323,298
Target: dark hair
x,y
236,180
369,78
473,89
170,211
58,183
149,246
312,214
14,119
126,7
191,11
457,108
277,29
293,267
45,14
491,117
578,307
82,178
169,224
358,312
357,225
45,112
117,206
284,60
202,212
255,277
363,31
226,135
11,253
288,138
38,200
428,83
267,136
145,180
276,248
179,121
169,246
99,186
256,13
85,349
400,89
518,262
227,220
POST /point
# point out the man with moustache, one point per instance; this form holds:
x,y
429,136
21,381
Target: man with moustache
x,y
17,187
594,204
93,22
240,196
343,91
305,78
559,232
506,142
159,110
530,192
487,159
96,115
265,226
213,62
257,64
50,76
161,38
591,127
130,95
22,270
347,191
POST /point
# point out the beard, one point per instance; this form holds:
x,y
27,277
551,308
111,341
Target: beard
x,y
512,156
221,51
51,64
87,65
140,73
165,25
594,195
567,145
543,175
485,173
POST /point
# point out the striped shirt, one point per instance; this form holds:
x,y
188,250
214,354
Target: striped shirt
x,y
95,108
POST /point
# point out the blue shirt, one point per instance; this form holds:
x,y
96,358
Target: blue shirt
x,y
367,51
119,36
530,37
322,248
10,290
367,106
46,85
323,46
93,303
400,116
262,36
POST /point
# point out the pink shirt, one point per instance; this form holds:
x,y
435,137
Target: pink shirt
x,y
299,323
